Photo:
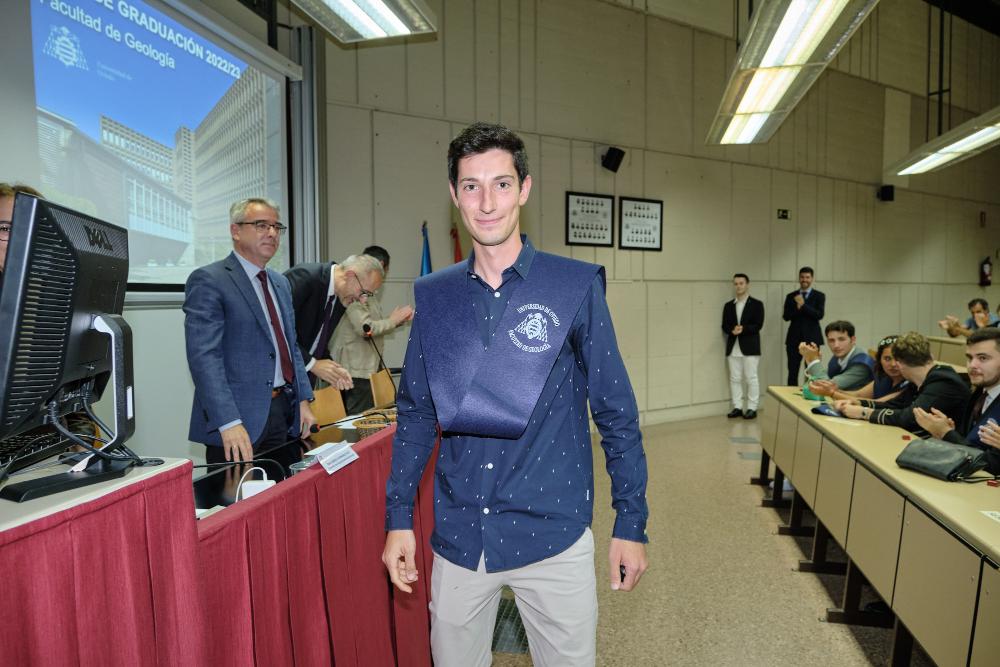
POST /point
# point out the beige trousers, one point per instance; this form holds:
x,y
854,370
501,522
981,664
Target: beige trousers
x,y
556,598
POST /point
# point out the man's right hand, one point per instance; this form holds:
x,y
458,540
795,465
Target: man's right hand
x,y
236,443
809,352
399,558
823,387
332,373
401,314
934,422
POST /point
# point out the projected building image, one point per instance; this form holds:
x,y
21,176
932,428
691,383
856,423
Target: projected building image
x,y
132,140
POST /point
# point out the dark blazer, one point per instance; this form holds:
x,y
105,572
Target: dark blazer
x,y
803,323
752,321
230,351
943,389
310,283
966,431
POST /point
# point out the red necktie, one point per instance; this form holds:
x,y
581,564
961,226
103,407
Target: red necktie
x,y
286,359
977,409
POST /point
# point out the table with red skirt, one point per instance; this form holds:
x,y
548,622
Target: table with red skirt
x,y
291,576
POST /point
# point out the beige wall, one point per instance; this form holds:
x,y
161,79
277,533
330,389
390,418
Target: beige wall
x,y
573,76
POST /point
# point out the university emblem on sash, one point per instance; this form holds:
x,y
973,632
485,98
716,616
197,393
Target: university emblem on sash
x,y
532,334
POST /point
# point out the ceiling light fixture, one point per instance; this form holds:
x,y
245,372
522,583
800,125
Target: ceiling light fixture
x,y
970,138
788,45
351,21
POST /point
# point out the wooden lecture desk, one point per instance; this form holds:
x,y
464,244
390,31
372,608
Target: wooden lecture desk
x,y
948,350
930,548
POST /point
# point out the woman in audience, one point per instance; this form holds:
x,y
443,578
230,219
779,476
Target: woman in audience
x,y
937,386
887,385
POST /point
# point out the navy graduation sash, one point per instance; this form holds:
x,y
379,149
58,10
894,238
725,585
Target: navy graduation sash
x,y
491,391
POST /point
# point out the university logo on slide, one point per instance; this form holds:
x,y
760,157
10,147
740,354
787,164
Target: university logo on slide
x,y
532,334
64,46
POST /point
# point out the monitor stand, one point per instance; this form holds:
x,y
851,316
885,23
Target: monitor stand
x,y
99,469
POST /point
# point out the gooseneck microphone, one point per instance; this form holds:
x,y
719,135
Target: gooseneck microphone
x,y
367,328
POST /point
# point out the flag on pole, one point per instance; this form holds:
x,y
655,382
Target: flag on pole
x,y
425,260
456,243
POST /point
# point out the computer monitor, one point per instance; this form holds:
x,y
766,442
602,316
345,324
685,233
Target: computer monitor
x,y
62,337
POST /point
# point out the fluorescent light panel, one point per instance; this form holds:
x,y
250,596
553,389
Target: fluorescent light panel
x,y
970,138
353,21
788,45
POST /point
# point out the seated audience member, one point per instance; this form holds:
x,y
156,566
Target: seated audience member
x,y
937,386
887,385
978,426
352,347
850,368
7,194
979,317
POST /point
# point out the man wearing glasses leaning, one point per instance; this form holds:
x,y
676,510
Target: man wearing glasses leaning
x,y
7,194
250,386
321,293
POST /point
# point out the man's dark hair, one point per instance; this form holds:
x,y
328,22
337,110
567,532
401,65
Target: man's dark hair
x,y
481,137
807,269
379,253
840,325
912,349
981,302
984,334
741,275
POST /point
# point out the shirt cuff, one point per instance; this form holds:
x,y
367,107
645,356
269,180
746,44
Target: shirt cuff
x,y
630,528
229,425
811,364
312,362
399,518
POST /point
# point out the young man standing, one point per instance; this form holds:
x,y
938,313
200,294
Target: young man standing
x,y
505,351
803,310
849,367
980,423
742,320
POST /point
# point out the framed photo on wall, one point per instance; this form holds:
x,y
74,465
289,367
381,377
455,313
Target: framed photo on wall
x,y
590,219
640,224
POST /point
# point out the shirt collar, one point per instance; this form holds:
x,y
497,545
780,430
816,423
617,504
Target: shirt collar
x,y
993,392
331,290
522,265
849,355
248,266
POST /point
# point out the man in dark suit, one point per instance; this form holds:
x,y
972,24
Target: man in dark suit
x,y
250,386
320,295
803,311
742,320
979,424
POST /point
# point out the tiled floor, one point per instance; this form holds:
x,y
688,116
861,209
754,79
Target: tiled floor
x,y
721,588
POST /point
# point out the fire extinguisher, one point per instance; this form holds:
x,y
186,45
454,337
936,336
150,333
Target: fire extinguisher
x,y
985,273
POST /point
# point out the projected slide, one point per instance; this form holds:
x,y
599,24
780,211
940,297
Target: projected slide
x,y
146,124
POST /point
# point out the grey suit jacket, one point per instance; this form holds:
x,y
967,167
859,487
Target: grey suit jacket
x,y
230,353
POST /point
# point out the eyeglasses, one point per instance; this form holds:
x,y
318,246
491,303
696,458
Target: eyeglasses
x,y
4,230
365,294
264,226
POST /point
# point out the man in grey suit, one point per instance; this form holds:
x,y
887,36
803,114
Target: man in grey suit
x,y
250,385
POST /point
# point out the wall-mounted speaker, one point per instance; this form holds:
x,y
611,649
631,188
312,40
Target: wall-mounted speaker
x,y
612,160
886,193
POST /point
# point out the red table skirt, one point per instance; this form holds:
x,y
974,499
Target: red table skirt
x,y
109,582
294,576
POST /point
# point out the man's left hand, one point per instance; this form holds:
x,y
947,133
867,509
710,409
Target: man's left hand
x,y
633,556
306,419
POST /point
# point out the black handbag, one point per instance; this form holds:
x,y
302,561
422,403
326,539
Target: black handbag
x,y
944,460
